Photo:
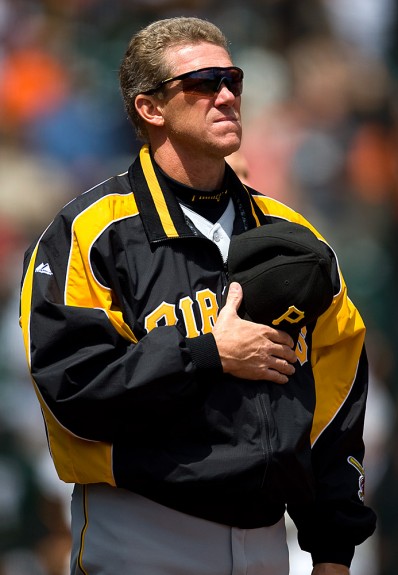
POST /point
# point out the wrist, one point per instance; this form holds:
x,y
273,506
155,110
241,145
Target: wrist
x,y
204,353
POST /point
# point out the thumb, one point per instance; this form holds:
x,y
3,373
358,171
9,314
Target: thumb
x,y
234,297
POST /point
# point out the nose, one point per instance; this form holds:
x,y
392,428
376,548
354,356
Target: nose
x,y
224,91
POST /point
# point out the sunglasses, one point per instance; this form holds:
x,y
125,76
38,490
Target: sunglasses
x,y
207,81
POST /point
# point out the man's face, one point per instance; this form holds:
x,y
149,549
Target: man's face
x,y
204,124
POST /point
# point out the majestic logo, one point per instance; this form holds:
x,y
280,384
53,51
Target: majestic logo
x,y
44,269
292,315
352,461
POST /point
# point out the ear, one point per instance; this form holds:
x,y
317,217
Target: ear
x,y
150,109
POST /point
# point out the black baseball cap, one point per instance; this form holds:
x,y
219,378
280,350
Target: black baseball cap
x,y
286,275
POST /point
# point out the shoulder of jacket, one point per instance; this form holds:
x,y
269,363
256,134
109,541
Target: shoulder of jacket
x,y
107,202
277,210
116,188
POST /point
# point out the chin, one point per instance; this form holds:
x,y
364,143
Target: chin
x,y
222,145
231,147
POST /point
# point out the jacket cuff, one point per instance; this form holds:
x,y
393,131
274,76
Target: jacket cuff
x,y
204,353
342,556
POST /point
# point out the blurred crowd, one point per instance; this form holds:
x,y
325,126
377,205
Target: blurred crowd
x,y
320,115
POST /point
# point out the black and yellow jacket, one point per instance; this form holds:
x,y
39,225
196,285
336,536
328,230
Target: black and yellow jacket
x,y
119,297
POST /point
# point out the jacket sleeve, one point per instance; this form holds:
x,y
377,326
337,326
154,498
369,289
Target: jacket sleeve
x,y
339,519
97,379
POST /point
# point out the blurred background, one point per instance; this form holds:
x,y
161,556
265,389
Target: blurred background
x,y
320,114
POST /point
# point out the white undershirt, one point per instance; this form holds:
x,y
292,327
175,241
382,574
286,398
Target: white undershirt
x,y
220,232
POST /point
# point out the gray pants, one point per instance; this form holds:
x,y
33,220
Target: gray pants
x,y
116,532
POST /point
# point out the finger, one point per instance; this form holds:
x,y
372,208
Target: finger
x,y
288,354
281,344
283,352
235,295
280,371
284,367
274,376
280,336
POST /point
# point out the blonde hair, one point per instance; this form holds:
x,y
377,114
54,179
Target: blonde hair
x,y
144,65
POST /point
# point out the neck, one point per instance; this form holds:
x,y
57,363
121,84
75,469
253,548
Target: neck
x,y
204,172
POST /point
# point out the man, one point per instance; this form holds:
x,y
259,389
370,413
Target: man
x,y
165,411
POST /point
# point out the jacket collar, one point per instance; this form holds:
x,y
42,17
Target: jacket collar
x,y
160,211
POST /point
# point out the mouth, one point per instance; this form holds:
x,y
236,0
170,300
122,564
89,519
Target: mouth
x,y
228,119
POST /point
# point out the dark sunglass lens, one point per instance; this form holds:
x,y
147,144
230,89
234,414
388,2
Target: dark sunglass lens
x,y
233,84
199,85
234,80
210,81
